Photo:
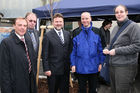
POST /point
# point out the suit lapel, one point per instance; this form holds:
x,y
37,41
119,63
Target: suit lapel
x,y
56,36
20,43
65,36
31,51
36,36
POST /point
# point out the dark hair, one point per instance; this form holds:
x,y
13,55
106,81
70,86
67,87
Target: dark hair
x,y
125,8
1,14
27,14
57,15
19,18
106,22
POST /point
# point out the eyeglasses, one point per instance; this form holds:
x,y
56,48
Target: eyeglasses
x,y
32,21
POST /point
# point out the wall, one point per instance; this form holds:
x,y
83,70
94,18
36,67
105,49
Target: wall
x,y
18,8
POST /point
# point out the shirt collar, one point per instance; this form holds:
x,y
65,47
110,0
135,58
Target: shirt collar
x,y
30,30
19,36
58,31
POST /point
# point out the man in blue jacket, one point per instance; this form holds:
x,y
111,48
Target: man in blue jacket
x,y
87,56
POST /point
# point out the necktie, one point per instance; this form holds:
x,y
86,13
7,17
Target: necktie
x,y
33,40
29,61
60,36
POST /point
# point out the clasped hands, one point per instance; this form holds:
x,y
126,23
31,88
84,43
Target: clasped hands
x,y
109,52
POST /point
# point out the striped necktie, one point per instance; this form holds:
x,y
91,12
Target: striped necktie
x,y
60,36
29,61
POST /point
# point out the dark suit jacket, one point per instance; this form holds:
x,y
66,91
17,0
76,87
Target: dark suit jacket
x,y
55,55
15,72
36,34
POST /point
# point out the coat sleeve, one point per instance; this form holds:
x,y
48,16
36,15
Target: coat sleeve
x,y
100,51
134,46
45,52
6,82
74,53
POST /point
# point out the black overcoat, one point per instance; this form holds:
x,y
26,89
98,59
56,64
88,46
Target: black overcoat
x,y
14,65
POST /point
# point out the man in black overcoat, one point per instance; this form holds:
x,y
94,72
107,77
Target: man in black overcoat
x,y
17,61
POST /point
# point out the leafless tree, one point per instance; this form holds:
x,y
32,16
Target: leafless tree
x,y
50,6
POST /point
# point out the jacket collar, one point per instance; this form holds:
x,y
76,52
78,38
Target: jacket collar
x,y
86,30
16,38
123,22
57,37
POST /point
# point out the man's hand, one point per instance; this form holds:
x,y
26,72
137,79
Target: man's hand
x,y
48,73
106,51
112,52
100,67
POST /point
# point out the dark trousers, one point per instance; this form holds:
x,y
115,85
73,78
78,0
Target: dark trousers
x,y
92,82
122,78
33,87
58,82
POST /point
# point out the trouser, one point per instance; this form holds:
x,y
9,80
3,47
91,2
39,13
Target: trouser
x,y
122,78
92,82
33,87
58,82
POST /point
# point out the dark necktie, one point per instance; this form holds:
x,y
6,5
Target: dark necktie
x,y
29,61
60,36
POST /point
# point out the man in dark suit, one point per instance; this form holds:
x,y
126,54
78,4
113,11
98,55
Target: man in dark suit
x,y
17,61
55,57
32,32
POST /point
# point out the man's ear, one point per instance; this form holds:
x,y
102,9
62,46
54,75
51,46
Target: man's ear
x,y
126,12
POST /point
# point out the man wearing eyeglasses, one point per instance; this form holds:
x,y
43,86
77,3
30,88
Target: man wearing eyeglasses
x,y
32,32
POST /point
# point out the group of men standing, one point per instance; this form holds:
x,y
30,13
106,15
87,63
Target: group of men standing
x,y
19,56
83,53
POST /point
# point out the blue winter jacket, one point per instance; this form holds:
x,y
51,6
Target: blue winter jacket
x,y
87,52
